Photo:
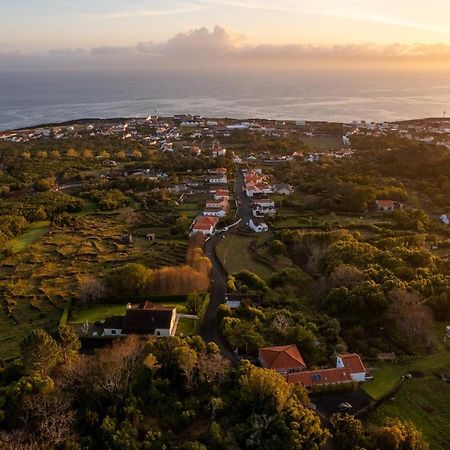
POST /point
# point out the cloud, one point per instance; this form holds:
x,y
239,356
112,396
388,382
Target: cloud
x,y
219,47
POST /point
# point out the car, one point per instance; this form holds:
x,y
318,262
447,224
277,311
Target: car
x,y
344,407
225,229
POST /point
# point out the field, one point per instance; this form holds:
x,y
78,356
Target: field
x,y
186,327
96,313
36,284
387,376
426,403
424,399
235,255
320,142
33,234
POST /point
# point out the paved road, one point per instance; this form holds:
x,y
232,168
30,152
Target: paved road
x,y
210,329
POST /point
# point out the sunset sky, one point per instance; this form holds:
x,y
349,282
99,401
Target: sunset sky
x,y
258,28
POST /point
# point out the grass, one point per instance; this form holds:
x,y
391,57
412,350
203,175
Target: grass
x,y
426,403
186,327
387,375
33,234
323,142
235,255
96,313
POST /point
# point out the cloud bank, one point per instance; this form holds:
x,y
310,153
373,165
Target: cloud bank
x,y
218,48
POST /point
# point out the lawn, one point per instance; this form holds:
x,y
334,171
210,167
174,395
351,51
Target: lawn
x,y
426,403
235,255
186,327
387,375
95,313
34,232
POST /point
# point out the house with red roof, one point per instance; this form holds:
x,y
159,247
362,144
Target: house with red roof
x,y
288,361
204,225
284,359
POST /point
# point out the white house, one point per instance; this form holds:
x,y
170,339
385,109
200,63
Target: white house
x,y
258,225
446,219
353,364
218,179
146,319
385,205
215,212
283,189
204,225
262,206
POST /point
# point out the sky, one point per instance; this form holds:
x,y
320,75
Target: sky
x,y
250,31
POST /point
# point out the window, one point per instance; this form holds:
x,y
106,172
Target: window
x,y
113,331
158,333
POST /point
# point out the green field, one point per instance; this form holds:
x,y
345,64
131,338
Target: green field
x,y
96,313
323,142
387,376
33,234
234,253
186,327
426,403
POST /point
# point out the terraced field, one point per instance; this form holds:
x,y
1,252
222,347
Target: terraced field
x,y
37,282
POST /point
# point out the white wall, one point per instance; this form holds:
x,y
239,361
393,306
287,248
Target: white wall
x,y
112,332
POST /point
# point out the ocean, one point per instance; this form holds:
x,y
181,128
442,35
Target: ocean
x,y
31,98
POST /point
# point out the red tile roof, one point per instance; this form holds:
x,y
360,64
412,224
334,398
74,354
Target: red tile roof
x,y
281,357
352,362
204,223
317,377
385,203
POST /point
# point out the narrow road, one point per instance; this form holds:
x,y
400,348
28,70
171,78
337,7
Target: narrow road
x,y
210,326
209,330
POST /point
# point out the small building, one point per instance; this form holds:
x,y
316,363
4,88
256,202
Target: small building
x,y
215,211
234,301
283,189
126,239
445,218
385,205
258,225
218,179
284,359
204,225
262,206
151,236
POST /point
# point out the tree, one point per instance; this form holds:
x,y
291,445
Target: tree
x,y
194,303
275,418
40,353
129,280
411,321
87,154
186,359
395,434
348,432
91,291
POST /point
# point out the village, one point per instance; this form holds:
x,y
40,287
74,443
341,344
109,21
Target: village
x,y
289,227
